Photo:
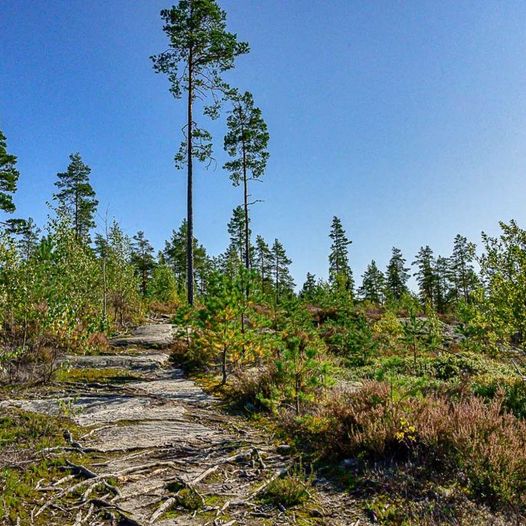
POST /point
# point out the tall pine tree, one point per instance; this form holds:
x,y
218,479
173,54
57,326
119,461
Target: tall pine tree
x,y
175,256
308,291
142,259
8,184
246,141
463,276
283,282
442,292
76,196
8,177
373,284
340,274
237,230
397,275
263,263
425,274
200,50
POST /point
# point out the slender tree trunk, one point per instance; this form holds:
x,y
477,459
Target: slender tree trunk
x,y
223,365
245,203
189,203
77,232
277,281
105,287
297,393
144,282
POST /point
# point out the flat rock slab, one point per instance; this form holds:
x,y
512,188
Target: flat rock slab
x,y
176,388
147,362
149,336
150,435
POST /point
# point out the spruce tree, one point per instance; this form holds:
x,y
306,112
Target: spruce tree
x,y
283,282
340,274
463,276
425,274
308,291
237,230
175,254
200,50
142,259
8,177
373,284
8,185
76,197
28,240
397,275
442,292
263,263
246,141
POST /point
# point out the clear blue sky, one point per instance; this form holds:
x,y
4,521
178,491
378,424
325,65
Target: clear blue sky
x,y
406,119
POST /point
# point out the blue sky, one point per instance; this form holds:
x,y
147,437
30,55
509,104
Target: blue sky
x,y
405,119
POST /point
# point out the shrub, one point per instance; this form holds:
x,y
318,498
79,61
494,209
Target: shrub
x,y
470,437
289,490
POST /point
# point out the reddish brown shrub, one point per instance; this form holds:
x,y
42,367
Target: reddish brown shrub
x,y
478,439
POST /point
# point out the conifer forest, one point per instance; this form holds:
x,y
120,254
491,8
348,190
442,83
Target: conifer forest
x,y
177,385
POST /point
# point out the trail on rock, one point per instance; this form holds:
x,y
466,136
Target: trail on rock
x,y
162,452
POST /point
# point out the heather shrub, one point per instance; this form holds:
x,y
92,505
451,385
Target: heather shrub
x,y
470,439
511,388
255,386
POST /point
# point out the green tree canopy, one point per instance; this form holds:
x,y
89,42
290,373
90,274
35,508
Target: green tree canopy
x,y
142,259
8,177
373,284
340,274
397,275
246,142
76,196
200,50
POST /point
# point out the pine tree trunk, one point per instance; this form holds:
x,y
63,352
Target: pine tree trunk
x,y
245,202
297,393
189,204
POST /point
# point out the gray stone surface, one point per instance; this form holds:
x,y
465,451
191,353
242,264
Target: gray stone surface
x,y
149,336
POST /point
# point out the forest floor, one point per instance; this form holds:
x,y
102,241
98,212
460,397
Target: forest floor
x,y
148,446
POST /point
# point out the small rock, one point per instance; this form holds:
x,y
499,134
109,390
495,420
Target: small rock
x,y
349,464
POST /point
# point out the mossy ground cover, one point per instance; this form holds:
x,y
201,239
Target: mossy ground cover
x,y
23,465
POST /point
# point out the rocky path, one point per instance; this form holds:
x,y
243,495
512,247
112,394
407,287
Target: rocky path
x,y
158,450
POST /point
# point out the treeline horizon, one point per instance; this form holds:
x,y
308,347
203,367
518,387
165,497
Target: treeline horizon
x,y
428,270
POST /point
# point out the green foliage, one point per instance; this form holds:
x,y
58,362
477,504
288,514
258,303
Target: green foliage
x,y
350,336
463,276
373,285
500,317
175,256
8,177
340,274
263,265
425,275
222,333
76,197
142,259
54,300
289,490
302,366
246,140
397,275
163,285
246,143
282,280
